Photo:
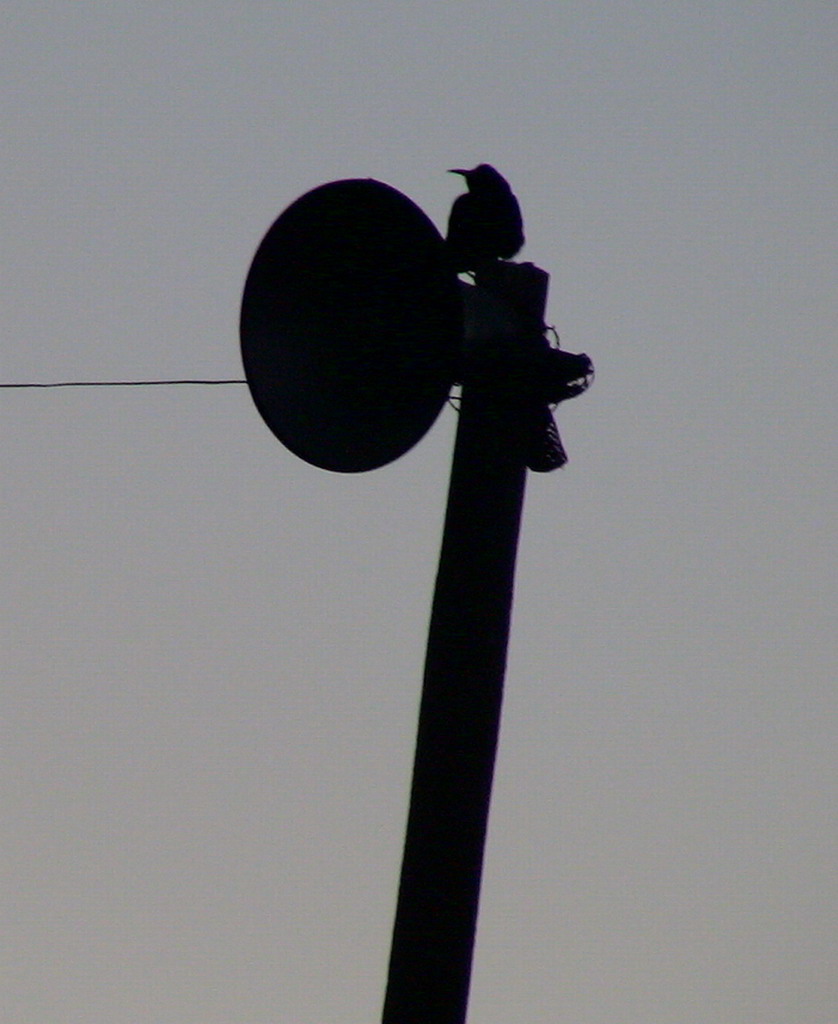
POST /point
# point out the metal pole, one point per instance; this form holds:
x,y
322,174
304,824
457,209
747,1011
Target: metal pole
x,y
436,915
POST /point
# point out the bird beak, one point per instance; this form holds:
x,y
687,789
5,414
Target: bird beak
x,y
455,170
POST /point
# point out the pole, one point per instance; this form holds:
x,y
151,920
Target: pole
x,y
459,717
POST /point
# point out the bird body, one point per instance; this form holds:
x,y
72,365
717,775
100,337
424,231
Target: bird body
x,y
485,223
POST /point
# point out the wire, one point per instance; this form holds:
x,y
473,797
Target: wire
x,y
117,383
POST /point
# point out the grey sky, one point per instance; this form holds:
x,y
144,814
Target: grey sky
x,y
212,652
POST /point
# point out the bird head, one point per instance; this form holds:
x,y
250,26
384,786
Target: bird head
x,y
483,175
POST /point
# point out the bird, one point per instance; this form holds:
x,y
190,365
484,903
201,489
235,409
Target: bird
x,y
485,223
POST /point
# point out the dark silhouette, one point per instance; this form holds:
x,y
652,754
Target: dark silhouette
x,y
353,328
485,223
459,717
544,450
351,325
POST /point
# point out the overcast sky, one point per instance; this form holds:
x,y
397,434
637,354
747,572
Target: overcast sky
x,y
212,652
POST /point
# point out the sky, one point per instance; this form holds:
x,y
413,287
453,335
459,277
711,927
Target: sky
x,y
212,652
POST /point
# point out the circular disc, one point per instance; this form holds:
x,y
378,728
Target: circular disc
x,y
351,325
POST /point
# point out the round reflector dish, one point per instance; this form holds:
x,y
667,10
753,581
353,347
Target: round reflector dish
x,y
351,326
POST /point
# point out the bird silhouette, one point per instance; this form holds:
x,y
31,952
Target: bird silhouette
x,y
485,223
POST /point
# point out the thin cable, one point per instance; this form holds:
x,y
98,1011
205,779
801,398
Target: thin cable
x,y
117,383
